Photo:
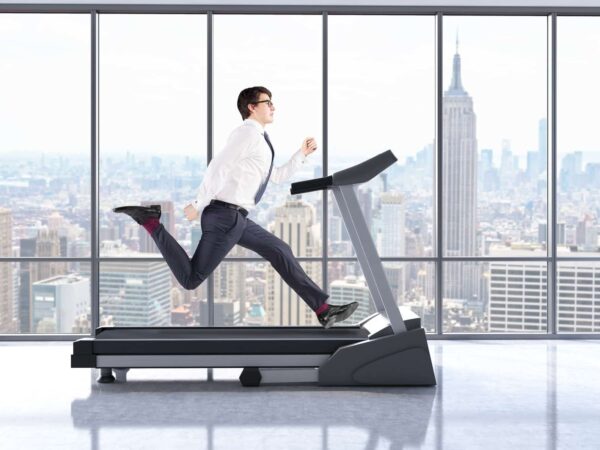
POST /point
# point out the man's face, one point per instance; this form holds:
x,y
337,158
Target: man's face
x,y
262,112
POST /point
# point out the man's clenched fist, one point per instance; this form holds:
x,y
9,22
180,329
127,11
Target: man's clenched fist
x,y
190,212
309,145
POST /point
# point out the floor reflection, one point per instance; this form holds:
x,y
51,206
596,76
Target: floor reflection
x,y
233,417
490,394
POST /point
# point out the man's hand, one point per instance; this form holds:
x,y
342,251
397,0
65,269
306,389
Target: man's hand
x,y
190,212
309,145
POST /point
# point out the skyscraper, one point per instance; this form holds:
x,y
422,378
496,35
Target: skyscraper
x,y
518,292
58,302
27,248
229,286
393,223
47,244
459,177
294,224
518,296
7,325
134,294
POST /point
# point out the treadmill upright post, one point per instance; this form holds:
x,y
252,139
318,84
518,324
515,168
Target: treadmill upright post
x,y
368,258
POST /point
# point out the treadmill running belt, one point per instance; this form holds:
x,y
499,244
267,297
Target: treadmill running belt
x,y
207,341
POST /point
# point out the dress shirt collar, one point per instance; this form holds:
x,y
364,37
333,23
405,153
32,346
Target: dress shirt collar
x,y
254,123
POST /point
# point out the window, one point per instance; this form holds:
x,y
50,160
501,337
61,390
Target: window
x,y
286,58
45,170
153,148
376,103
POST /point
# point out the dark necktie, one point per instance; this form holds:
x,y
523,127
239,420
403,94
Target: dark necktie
x,y
263,186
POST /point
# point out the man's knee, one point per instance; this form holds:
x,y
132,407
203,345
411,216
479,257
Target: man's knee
x,y
194,281
283,251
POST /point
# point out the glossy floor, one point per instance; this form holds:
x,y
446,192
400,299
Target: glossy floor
x,y
490,394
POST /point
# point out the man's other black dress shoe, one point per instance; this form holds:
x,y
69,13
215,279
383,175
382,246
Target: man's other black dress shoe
x,y
140,213
337,313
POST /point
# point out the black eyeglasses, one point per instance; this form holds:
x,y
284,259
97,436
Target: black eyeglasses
x,y
268,102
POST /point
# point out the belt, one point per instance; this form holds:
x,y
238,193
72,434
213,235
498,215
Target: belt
x,y
230,205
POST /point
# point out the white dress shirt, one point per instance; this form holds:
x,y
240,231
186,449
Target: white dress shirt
x,y
237,171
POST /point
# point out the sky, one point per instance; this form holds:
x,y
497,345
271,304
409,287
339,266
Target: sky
x,y
381,81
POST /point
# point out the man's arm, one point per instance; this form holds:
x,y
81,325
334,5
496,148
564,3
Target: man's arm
x,y
283,173
218,170
204,196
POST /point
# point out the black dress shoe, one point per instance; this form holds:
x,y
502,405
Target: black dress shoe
x,y
337,313
140,213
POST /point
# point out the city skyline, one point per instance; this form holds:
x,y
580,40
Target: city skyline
x,y
493,205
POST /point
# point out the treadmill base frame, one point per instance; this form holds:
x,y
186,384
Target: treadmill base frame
x,y
393,360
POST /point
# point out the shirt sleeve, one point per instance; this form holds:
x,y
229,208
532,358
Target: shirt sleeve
x,y
283,173
220,167
204,195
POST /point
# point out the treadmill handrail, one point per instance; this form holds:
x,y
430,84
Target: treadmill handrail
x,y
359,173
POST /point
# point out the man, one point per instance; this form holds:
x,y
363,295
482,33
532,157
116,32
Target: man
x,y
235,181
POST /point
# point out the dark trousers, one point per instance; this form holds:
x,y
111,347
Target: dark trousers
x,y
222,228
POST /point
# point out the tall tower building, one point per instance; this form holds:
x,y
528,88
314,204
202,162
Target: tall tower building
x,y
459,177
47,244
7,324
294,224
393,238
230,285
134,294
27,248
58,302
587,234
518,297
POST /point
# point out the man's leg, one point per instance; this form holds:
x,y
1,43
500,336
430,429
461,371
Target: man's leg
x,y
280,255
220,232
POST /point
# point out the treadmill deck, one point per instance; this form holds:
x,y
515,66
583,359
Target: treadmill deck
x,y
227,340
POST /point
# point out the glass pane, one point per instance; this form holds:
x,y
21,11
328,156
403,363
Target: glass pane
x,y
45,297
578,145
254,294
412,285
146,294
384,214
45,134
152,125
376,103
579,297
510,297
494,130
285,57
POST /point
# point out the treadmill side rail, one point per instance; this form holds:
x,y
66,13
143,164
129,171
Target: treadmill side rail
x,y
377,326
396,360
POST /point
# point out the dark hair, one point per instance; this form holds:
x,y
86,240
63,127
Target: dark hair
x,y
248,96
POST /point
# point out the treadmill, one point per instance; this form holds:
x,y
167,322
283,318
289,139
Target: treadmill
x,y
389,348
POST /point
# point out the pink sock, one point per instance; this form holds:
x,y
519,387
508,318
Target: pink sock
x,y
151,224
321,309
